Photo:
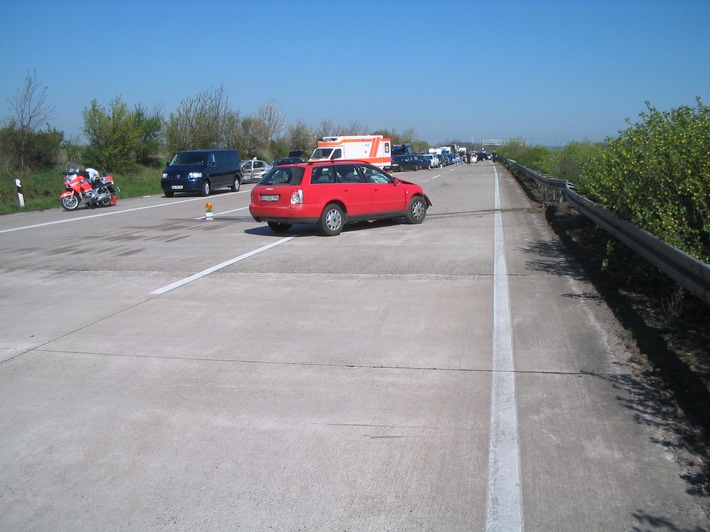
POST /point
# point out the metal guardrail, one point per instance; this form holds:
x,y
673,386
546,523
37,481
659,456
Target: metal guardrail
x,y
687,271
548,184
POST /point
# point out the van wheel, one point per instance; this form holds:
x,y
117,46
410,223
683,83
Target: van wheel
x,y
332,220
205,188
169,193
236,184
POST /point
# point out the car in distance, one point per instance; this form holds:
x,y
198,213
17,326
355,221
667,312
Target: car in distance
x,y
287,160
433,160
331,194
426,161
254,169
200,171
405,162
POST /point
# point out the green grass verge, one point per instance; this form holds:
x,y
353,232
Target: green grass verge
x,y
41,190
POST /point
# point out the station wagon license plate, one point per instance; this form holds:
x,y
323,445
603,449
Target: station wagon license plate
x,y
176,187
269,197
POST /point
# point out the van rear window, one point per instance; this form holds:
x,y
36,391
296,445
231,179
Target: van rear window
x,y
283,176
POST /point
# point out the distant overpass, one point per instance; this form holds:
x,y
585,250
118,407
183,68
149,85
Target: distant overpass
x,y
493,142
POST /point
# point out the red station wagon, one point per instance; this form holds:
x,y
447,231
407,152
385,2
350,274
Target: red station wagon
x,y
333,193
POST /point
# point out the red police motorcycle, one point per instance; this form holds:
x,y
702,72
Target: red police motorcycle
x,y
88,188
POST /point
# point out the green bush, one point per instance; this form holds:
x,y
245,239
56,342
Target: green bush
x,y
570,162
529,156
566,163
119,137
657,175
24,150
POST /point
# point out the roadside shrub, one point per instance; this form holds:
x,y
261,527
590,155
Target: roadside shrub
x,y
120,138
569,162
535,157
657,175
24,151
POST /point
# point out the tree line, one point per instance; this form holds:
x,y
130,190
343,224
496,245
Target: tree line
x,y
120,137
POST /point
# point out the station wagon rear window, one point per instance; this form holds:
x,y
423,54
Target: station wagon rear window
x,y
327,153
283,176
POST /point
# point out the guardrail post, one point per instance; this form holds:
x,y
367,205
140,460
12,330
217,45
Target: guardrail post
x,y
20,195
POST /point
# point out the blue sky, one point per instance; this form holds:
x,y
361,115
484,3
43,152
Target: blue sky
x,y
549,71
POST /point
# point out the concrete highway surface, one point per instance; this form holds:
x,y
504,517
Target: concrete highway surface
x,y
160,371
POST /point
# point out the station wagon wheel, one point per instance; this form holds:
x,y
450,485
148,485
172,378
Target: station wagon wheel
x,y
332,220
417,210
236,184
205,188
169,193
279,228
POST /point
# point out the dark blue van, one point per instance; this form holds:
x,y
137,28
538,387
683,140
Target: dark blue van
x,y
200,171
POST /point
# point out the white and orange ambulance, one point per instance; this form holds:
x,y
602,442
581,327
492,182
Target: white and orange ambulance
x,y
373,149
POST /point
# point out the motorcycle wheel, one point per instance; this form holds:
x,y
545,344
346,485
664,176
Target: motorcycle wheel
x,y
70,203
105,202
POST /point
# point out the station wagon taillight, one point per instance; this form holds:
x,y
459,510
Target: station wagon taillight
x,y
296,196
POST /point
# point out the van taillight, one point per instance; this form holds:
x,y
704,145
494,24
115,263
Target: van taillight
x,y
296,196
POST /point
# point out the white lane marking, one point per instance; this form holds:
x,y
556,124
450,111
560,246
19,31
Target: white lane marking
x,y
112,213
504,506
212,269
